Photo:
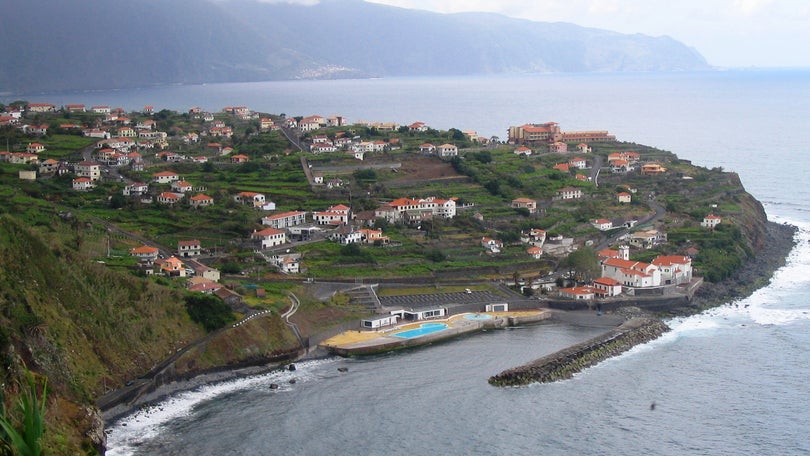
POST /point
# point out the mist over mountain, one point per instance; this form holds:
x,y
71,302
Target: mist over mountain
x,y
107,44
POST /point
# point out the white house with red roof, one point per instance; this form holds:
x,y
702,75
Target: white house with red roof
x,y
41,107
491,245
165,177
253,198
535,252
334,215
269,237
447,150
135,189
607,287
631,273
525,203
578,293
83,184
711,221
418,127
182,186
675,269
169,198
523,150
602,224
35,148
427,148
189,248
624,197
145,253
578,162
200,200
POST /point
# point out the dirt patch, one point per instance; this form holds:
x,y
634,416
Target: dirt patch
x,y
423,169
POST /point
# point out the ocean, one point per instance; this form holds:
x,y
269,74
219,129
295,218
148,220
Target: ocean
x,y
732,380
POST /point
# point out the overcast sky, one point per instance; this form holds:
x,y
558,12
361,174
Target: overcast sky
x,y
728,33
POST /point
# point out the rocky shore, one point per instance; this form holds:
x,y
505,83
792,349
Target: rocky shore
x,y
755,273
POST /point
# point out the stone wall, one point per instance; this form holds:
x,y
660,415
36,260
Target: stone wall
x,y
565,363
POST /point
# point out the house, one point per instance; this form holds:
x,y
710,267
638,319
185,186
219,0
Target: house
x,y
41,107
311,123
427,148
623,253
74,108
269,237
145,253
620,166
558,147
229,297
567,193
652,169
169,198
624,198
602,224
388,213
23,158
535,133
578,163
334,215
83,184
523,150
578,293
491,245
100,109
647,239
165,177
200,200
265,124
447,150
371,236
89,169
711,221
288,264
135,189
35,148
181,186
607,287
675,269
535,252
285,219
535,237
583,148
173,267
564,167
525,203
239,158
346,234
252,198
418,127
379,321
631,273
48,166
190,248
581,177
203,286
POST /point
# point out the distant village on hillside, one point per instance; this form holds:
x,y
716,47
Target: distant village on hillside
x,y
133,141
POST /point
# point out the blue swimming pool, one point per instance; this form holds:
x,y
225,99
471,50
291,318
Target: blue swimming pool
x,y
425,328
477,317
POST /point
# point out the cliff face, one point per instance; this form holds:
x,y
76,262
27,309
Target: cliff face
x,y
89,330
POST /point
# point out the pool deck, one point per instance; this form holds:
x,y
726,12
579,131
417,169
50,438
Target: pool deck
x,y
352,343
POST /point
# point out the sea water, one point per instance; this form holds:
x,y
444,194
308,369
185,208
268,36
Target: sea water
x,y
732,380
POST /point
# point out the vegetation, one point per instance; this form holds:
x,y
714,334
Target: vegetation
x,y
23,436
209,311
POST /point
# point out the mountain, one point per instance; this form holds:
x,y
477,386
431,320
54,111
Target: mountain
x,y
105,44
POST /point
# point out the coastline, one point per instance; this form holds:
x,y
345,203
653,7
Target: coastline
x,y
755,274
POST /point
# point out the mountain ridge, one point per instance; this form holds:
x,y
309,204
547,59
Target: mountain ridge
x,y
115,44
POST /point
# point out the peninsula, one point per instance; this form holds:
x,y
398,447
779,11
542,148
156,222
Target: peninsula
x,y
146,247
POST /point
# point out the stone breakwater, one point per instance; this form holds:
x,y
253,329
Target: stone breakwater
x,y
565,363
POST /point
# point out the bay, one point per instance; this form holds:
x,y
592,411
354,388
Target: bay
x,y
729,381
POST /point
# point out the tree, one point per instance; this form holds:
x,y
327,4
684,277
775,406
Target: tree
x,y
585,263
208,311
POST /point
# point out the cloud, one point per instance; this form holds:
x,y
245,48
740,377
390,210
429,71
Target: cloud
x,y
749,7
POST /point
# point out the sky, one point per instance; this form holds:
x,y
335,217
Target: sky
x,y
728,33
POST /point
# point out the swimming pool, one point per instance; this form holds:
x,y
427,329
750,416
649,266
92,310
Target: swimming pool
x,y
477,317
425,328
